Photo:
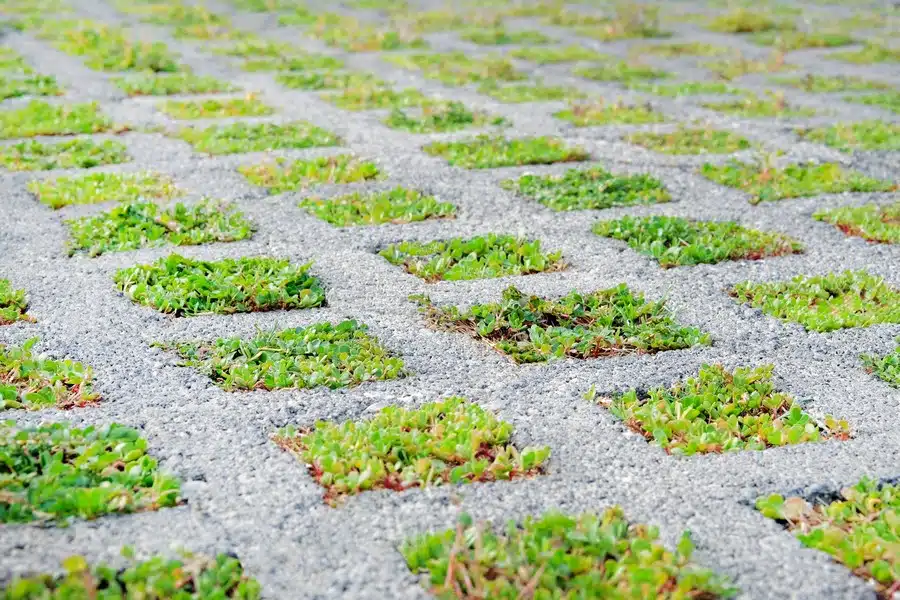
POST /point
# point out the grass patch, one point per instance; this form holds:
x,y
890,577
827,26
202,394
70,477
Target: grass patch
x,y
184,287
328,80
33,382
687,88
678,49
154,84
823,84
457,68
871,222
372,97
548,55
501,37
825,303
862,135
398,205
869,54
796,40
284,176
738,66
487,152
32,155
618,558
254,47
603,113
480,257
856,529
13,304
57,473
31,85
354,36
721,411
257,137
604,323
306,61
322,354
594,188
691,141
756,107
886,368
742,20
622,71
441,116
147,225
888,100
214,108
40,118
452,441
675,241
529,92
629,20
103,187
766,183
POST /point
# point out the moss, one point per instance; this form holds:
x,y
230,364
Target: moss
x,y
691,141
602,113
486,152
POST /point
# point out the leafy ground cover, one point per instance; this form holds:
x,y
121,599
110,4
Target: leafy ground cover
x,y
677,49
479,257
456,68
721,411
824,84
329,80
615,558
743,20
621,71
397,205
499,37
686,140
146,224
155,84
351,34
32,155
546,55
889,100
287,176
737,65
861,135
675,241
886,368
857,529
103,187
487,152
257,137
627,21
529,92
871,222
609,113
28,85
442,116
186,287
294,62
13,304
685,88
825,302
370,97
41,118
594,188
451,441
756,107
870,53
796,40
214,108
33,382
324,354
603,323
57,473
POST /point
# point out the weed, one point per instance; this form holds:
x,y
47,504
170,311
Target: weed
x,y
214,108
152,84
677,49
328,80
871,222
795,40
32,155
487,152
603,113
306,61
456,68
254,47
31,85
888,100
622,71
283,176
40,118
257,137
691,141
862,135
13,304
544,55
103,187
500,36
370,97
741,20
398,205
441,117
687,88
886,368
529,92
33,382
870,53
823,84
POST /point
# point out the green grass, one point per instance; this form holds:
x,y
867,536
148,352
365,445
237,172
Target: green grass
x,y
257,137
148,225
480,257
354,36
457,68
614,558
451,441
56,473
398,205
439,117
621,71
686,140
857,529
603,323
824,84
328,80
594,188
32,155
758,107
214,108
548,55
675,241
825,303
40,118
13,304
888,100
487,152
13,63
886,368
678,49
871,222
861,135
188,576
287,176
796,40
765,183
306,61
627,20
322,354
32,382
529,92
185,287
742,20
500,37
103,187
721,411
738,65
605,113
686,88
254,47
869,54
31,85
154,84
372,97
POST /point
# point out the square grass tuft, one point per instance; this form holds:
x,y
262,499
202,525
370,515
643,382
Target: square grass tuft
x,y
604,323
594,188
214,108
451,441
32,155
827,302
488,152
398,205
13,304
354,36
103,187
306,61
861,135
609,113
886,368
675,241
153,84
480,257
440,117
678,49
40,118
287,176
721,411
257,137
371,97
185,287
871,222
33,382
547,55
50,479
687,140
323,354
457,68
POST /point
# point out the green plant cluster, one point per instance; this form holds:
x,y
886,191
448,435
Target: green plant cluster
x,y
323,354
146,224
214,108
287,176
18,79
870,53
480,257
189,21
457,68
889,100
796,40
169,84
296,61
721,411
488,152
257,137
13,304
886,368
373,96
529,92
858,529
743,20
103,187
628,20
546,55
499,36
186,287
871,222
738,65
685,88
678,49
594,188
686,140
353,35
826,302
861,135
82,153
556,555
603,323
397,205
450,441
621,71
609,113
329,80
33,382
41,118
439,117
824,84
56,473
675,241
756,107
